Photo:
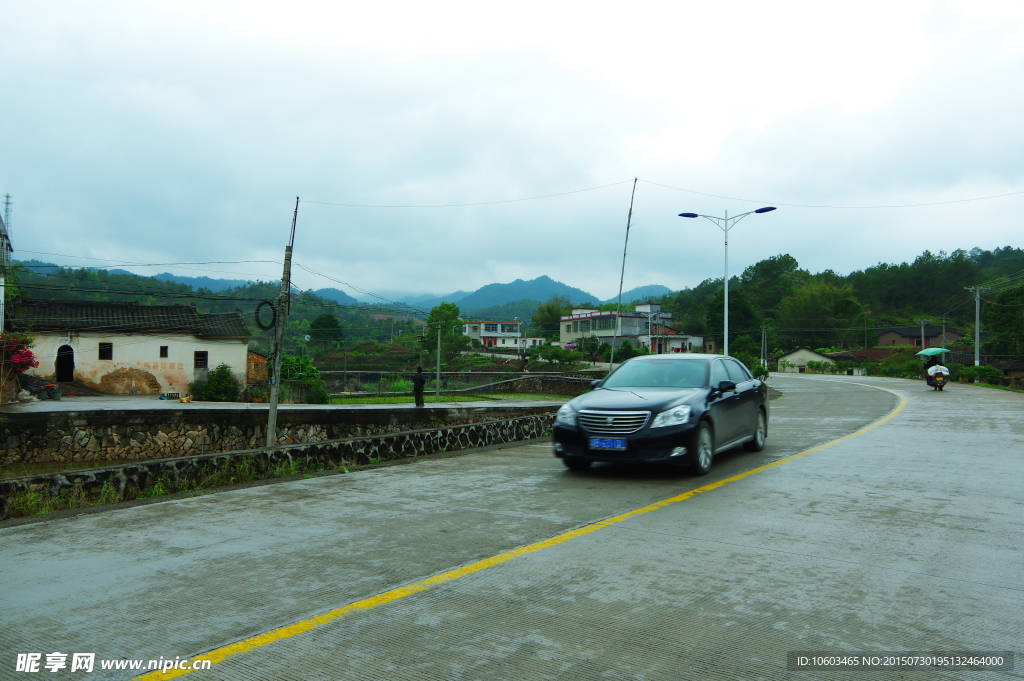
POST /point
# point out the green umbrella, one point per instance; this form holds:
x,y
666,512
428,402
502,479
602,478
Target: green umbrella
x,y
933,351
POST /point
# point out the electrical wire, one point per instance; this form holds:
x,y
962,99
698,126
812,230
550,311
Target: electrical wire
x,y
802,205
464,205
359,290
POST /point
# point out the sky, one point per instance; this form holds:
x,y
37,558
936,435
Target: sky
x,y
182,132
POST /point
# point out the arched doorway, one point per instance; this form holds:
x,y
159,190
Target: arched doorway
x,y
65,364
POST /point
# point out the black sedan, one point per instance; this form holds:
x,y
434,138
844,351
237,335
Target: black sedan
x,y
665,408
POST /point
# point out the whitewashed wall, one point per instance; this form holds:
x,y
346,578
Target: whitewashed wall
x,y
136,367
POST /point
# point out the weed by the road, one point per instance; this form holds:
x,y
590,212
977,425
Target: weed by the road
x,y
35,502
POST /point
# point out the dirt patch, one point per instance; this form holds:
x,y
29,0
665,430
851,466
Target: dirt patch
x,y
129,381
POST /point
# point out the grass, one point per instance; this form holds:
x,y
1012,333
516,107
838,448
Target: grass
x,y
29,503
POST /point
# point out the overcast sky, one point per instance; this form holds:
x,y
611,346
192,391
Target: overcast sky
x,y
156,132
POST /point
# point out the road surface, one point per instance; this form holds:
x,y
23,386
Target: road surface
x,y
905,536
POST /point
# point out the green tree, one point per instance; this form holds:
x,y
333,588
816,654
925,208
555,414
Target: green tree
x,y
326,330
820,313
743,318
588,346
444,319
549,314
300,372
220,385
767,282
1004,322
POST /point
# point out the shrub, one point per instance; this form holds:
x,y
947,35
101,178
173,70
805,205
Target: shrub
x,y
220,385
985,372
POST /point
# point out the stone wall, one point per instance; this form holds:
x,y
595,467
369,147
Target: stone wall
x,y
127,481
135,435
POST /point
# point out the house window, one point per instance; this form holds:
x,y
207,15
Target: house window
x,y
202,359
894,341
476,329
106,351
502,341
493,328
163,350
568,328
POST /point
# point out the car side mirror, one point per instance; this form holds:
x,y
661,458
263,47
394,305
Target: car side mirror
x,y
726,386
595,384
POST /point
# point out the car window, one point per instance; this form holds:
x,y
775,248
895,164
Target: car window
x,y
737,371
718,373
670,373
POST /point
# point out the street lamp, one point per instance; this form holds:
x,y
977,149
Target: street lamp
x,y
725,224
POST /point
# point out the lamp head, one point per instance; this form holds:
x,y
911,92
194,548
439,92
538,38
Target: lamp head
x,y
688,215
766,209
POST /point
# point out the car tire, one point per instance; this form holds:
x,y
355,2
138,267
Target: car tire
x,y
577,464
702,444
760,433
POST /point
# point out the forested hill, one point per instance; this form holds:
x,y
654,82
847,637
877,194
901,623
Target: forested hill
x,y
43,281
830,309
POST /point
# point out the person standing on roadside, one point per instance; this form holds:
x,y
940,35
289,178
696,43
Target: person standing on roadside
x,y
419,380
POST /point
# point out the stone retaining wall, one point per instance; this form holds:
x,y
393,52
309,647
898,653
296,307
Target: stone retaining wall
x,y
127,481
42,437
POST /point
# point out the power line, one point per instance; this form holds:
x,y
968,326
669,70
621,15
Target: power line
x,y
463,205
802,205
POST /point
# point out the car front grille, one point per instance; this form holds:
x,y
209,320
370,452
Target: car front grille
x,y
614,422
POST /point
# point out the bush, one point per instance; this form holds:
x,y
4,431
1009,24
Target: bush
x,y
760,372
985,372
300,372
220,386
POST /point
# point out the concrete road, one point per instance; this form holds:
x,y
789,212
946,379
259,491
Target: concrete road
x,y
904,537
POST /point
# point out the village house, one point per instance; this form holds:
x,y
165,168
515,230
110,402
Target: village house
x,y
500,335
130,349
934,336
796,362
647,326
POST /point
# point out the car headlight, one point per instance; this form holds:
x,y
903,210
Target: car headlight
x,y
676,416
566,416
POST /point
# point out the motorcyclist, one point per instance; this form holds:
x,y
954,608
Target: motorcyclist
x,y
934,370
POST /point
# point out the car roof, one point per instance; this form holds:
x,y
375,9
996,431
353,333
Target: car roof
x,y
691,356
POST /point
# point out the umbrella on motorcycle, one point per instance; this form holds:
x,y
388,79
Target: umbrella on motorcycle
x,y
933,351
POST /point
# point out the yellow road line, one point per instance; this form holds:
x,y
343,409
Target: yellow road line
x,y
290,630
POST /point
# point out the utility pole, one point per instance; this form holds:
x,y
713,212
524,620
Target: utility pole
x,y
943,331
5,258
764,346
438,387
977,291
7,212
283,305
622,277
922,322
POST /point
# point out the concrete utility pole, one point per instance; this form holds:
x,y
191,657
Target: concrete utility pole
x,y
5,260
764,346
283,305
977,291
437,397
922,322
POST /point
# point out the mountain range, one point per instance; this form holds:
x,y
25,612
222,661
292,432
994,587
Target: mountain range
x,y
518,298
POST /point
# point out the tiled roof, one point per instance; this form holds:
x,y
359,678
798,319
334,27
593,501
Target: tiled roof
x,y
915,331
65,315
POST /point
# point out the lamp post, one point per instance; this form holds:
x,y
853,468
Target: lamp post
x,y
725,224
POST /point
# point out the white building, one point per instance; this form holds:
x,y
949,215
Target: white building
x,y
129,349
495,334
647,326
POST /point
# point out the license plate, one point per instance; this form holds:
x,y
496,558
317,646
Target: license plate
x,y
614,443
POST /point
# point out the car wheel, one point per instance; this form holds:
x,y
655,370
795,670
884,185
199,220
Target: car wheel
x,y
577,464
703,447
760,433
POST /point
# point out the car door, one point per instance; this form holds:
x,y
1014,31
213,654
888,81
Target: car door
x,y
748,397
724,406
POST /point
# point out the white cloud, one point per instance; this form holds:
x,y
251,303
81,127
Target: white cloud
x,y
182,131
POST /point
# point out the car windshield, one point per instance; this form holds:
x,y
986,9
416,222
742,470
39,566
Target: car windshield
x,y
669,373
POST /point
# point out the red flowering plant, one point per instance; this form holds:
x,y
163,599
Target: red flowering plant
x,y
15,358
